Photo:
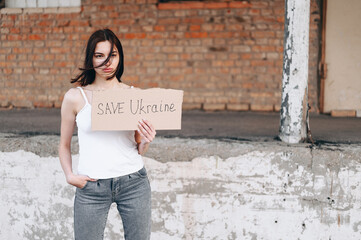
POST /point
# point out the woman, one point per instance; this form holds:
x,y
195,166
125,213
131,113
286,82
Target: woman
x,y
111,167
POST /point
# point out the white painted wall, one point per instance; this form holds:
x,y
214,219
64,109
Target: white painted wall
x,y
343,55
41,3
269,192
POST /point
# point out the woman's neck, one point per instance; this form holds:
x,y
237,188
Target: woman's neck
x,y
103,84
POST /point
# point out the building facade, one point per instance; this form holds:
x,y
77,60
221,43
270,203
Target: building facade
x,y
225,55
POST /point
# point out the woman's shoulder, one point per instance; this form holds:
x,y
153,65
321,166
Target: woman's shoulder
x,y
72,95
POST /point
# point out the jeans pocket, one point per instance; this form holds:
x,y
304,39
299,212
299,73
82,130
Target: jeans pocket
x,y
142,173
86,184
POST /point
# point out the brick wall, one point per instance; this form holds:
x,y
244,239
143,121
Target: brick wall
x,y
224,55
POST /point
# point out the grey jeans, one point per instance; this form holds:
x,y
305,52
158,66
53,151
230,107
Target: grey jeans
x,y
132,195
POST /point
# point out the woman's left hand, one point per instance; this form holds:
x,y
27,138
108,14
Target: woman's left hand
x,y
146,131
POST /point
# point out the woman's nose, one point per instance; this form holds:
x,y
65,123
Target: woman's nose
x,y
109,62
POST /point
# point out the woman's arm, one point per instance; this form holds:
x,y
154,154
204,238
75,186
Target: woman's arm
x,y
68,114
144,135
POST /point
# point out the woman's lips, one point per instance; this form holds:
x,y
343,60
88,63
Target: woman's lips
x,y
108,69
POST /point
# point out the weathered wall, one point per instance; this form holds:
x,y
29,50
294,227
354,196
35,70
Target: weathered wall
x,y
224,54
265,191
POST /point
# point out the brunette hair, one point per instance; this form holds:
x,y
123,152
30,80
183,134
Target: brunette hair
x,y
87,75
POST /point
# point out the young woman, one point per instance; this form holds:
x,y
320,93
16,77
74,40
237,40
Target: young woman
x,y
111,167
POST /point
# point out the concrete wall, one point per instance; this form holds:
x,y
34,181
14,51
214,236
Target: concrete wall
x,y
265,191
223,54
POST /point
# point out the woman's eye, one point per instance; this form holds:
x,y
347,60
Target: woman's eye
x,y
114,55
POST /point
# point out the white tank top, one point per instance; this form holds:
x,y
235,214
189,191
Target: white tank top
x,y
105,154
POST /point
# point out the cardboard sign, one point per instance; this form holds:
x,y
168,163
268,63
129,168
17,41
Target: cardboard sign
x,y
120,109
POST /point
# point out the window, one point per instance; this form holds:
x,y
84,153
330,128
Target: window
x,y
40,3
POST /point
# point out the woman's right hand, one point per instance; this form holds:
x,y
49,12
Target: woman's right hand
x,y
79,181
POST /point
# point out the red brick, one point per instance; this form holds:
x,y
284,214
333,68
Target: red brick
x,y
168,21
279,11
247,85
221,35
237,106
159,28
281,19
214,106
101,22
7,24
59,50
176,78
134,35
45,23
13,37
79,23
215,5
262,5
25,64
243,4
22,50
254,12
246,56
264,48
14,30
183,5
37,37
235,27
196,34
263,34
194,20
227,63
8,71
262,107
42,104
218,27
191,106
9,17
62,64
106,8
266,12
35,57
264,19
123,21
194,27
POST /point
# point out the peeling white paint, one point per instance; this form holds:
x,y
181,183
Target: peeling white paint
x,y
295,71
275,193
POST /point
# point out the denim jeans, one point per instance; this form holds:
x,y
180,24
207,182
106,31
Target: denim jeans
x,y
132,195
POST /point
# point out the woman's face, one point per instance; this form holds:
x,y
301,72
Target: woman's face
x,y
101,52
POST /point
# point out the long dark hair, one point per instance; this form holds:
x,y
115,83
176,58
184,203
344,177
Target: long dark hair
x,y
87,75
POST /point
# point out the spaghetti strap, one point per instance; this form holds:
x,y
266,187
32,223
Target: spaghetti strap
x,y
82,92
